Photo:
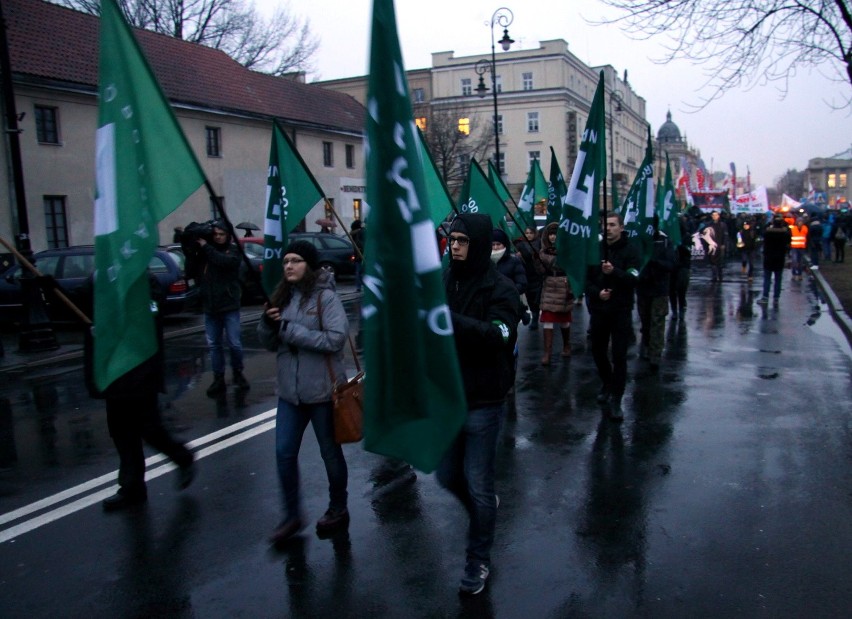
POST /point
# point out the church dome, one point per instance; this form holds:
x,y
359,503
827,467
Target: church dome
x,y
669,131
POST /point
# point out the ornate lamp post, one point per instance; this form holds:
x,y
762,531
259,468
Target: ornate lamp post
x,y
614,98
502,17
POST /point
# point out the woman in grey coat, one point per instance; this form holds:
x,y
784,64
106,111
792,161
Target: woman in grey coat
x,y
306,325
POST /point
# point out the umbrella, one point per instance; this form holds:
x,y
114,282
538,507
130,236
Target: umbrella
x,y
325,222
247,226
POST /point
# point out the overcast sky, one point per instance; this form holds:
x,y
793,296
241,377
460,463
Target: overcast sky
x,y
752,128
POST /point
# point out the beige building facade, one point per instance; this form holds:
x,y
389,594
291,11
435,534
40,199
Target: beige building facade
x,y
832,176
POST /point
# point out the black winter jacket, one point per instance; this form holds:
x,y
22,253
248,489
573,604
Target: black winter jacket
x,y
485,308
654,278
625,257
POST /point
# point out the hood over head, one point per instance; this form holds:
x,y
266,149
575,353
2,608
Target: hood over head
x,y
478,227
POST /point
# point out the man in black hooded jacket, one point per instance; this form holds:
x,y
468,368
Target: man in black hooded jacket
x,y
485,308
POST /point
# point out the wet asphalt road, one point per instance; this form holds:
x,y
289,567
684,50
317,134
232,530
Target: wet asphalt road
x,y
725,493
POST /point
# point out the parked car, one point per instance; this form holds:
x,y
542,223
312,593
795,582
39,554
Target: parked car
x,y
252,287
336,253
72,268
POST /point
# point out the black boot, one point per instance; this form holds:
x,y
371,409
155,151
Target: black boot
x,y
240,381
218,386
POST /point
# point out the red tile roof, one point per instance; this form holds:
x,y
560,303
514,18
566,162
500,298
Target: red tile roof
x,y
51,43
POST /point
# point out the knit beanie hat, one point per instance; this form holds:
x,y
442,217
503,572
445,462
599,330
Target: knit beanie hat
x,y
305,250
501,237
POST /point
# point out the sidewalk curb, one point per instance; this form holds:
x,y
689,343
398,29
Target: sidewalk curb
x,y
838,313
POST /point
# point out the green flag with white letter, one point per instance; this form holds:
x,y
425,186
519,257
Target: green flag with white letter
x,y
503,192
291,192
478,195
534,191
414,399
440,202
145,169
639,206
577,244
667,208
556,190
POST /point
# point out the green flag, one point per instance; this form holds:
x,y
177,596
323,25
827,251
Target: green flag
x,y
534,191
638,209
478,195
291,192
145,169
577,244
667,208
556,190
415,404
500,187
440,202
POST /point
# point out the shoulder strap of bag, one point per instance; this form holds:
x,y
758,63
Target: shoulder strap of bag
x,y
328,356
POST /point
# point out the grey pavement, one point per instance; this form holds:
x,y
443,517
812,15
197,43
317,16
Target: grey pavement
x,y
725,492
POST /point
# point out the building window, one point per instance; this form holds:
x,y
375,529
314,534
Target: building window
x,y
214,141
55,223
214,210
499,124
501,164
465,87
464,126
464,163
356,208
498,83
532,156
528,81
532,122
832,181
328,154
420,121
418,95
47,124
842,180
328,208
350,156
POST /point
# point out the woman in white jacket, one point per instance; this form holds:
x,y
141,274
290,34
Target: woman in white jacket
x,y
306,325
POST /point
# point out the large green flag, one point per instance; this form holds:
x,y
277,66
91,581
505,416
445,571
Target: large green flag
x,y
556,190
415,403
577,244
639,206
145,169
534,191
440,202
478,195
667,208
291,192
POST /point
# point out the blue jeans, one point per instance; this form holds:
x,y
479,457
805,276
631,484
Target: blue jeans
x,y
229,324
290,423
797,257
467,470
767,277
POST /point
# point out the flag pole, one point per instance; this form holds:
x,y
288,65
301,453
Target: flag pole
x,y
603,240
330,206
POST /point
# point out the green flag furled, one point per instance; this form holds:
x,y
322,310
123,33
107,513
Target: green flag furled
x,y
667,208
556,190
414,403
291,192
440,202
577,244
478,195
533,192
638,209
145,169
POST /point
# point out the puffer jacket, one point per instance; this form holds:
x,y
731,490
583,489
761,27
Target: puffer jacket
x,y
302,347
556,295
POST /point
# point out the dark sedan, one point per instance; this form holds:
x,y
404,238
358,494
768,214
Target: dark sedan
x,y
72,268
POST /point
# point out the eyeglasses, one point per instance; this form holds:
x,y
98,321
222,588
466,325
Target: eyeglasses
x,y
287,261
463,241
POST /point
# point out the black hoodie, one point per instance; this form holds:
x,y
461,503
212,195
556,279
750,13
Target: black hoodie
x,y
485,309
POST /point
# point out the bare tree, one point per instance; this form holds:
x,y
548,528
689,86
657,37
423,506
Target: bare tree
x,y
746,42
792,182
454,135
279,45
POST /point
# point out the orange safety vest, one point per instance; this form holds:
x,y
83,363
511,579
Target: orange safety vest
x,y
800,237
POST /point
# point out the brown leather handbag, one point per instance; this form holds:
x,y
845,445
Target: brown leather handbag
x,y
347,398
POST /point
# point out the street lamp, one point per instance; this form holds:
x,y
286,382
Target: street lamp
x,y
614,97
502,17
